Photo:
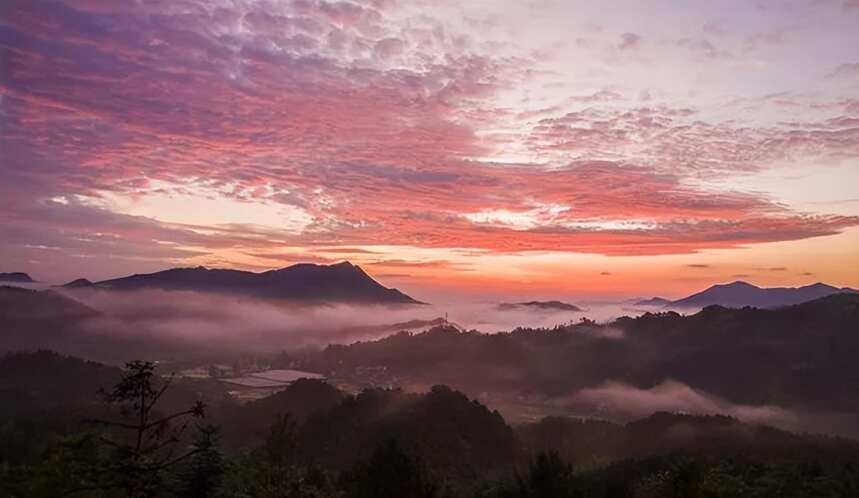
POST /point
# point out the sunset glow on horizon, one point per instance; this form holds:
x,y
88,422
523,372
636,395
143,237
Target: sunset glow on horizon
x,y
454,150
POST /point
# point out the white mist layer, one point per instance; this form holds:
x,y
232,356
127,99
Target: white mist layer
x,y
252,324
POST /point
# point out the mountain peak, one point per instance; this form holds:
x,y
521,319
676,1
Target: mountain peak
x,y
341,282
739,284
78,284
540,305
653,301
17,277
739,294
819,285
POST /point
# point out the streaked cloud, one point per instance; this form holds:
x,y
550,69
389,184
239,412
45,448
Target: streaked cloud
x,y
255,133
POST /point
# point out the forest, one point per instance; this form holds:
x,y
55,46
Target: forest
x,y
99,431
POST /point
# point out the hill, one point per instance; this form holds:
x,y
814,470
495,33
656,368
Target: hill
x,y
32,320
19,305
809,350
653,301
739,294
17,277
584,441
329,443
539,306
341,283
80,283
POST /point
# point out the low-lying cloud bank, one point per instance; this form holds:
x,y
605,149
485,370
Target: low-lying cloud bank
x,y
235,323
229,322
620,401
623,400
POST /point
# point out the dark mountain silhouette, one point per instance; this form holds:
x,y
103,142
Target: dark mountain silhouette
x,y
80,283
452,433
395,327
809,350
41,380
17,303
540,305
653,301
739,294
342,282
31,319
17,277
662,433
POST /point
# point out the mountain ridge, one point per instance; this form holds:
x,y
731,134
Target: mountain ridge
x,y
740,293
540,305
17,277
653,301
340,282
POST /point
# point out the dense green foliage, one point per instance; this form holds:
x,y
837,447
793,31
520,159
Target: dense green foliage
x,y
314,441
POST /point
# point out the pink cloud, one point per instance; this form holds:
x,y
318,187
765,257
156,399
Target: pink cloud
x,y
297,106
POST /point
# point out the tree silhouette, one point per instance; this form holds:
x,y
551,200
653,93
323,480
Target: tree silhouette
x,y
548,477
392,473
276,470
205,469
143,445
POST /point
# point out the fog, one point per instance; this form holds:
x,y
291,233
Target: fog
x,y
185,325
617,399
226,322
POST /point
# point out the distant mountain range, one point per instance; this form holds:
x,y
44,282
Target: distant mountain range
x,y
540,306
16,277
653,301
337,283
739,294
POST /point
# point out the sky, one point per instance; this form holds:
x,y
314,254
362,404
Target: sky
x,y
454,149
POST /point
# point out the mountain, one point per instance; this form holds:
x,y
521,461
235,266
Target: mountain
x,y
80,283
440,438
31,320
18,304
809,351
410,326
739,294
653,301
584,440
17,277
342,282
540,305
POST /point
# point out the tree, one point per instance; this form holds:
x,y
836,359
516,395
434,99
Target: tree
x,y
391,473
143,446
202,477
548,477
276,470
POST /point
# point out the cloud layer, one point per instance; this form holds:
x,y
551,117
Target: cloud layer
x,y
158,132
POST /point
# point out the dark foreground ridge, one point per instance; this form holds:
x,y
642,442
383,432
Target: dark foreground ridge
x,y
312,440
